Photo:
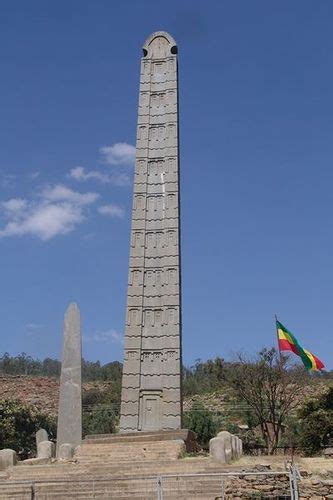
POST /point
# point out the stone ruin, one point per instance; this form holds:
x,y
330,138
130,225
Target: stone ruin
x,y
225,447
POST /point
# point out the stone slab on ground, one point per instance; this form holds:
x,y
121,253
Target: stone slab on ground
x,y
45,449
8,458
185,435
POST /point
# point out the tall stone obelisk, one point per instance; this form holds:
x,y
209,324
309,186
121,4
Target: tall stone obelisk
x,y
151,386
70,401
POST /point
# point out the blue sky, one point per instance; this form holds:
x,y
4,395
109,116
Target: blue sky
x,y
256,120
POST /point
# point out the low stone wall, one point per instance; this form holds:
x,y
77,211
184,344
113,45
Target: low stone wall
x,y
276,486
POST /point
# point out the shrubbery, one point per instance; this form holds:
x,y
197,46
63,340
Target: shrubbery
x,y
200,420
18,426
316,423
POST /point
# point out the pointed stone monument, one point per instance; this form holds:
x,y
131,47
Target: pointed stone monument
x,y
70,401
151,385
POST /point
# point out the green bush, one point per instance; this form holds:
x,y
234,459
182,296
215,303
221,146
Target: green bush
x,y
316,423
200,420
101,420
18,426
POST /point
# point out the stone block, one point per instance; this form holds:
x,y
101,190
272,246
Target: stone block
x,y
65,451
217,449
41,435
226,436
8,458
45,449
234,450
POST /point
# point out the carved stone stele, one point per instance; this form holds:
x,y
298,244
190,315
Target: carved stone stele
x,y
151,385
70,401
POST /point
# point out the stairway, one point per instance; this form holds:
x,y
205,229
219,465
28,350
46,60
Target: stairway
x,y
105,468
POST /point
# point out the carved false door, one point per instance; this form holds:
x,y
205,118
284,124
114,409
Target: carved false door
x,y
150,414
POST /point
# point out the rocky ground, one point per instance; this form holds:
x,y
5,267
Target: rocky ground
x,y
40,392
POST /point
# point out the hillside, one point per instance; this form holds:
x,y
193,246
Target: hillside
x,y
43,392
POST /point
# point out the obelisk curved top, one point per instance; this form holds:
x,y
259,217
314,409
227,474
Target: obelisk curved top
x,y
158,45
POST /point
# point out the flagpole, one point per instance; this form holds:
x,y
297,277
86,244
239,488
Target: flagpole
x,y
278,343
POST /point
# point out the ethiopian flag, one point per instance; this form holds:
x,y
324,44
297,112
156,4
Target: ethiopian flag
x,y
287,342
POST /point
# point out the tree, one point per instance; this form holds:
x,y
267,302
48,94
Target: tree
x,y
101,420
270,389
18,426
200,421
317,423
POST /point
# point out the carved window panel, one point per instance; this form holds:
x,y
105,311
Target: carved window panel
x,y
152,168
172,96
149,278
157,133
152,356
159,203
170,355
141,167
151,240
158,277
137,239
142,132
172,316
139,202
133,317
158,99
172,276
171,65
171,238
171,165
171,200
159,239
171,131
135,277
158,317
144,98
151,203
149,318
131,355
158,70
161,167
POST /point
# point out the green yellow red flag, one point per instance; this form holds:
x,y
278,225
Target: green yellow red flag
x,y
288,342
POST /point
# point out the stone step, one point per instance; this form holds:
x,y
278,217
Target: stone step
x,y
149,467
185,435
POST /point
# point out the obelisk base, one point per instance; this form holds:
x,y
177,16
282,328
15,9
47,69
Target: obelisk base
x,y
186,435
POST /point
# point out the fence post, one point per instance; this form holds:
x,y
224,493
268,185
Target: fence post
x,y
159,488
222,488
33,490
296,476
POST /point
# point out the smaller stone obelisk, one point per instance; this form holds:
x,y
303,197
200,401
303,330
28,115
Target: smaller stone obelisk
x,y
70,399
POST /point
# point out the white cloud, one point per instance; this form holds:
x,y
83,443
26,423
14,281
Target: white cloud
x,y
14,205
111,210
80,174
64,193
108,337
117,178
44,221
57,211
119,153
